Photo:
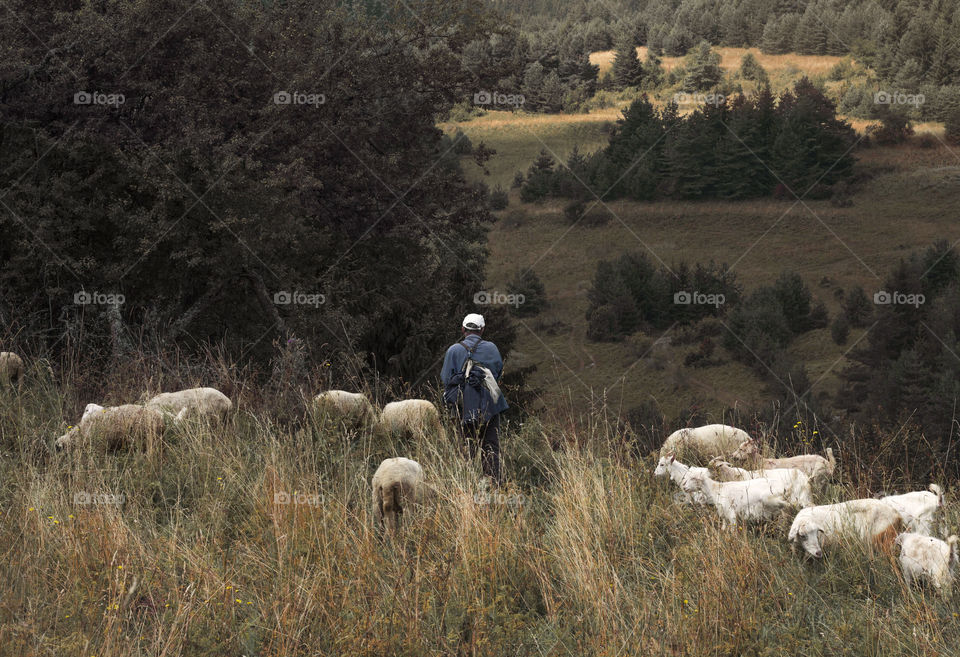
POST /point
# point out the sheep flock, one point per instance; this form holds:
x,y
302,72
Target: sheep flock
x,y
725,469
766,487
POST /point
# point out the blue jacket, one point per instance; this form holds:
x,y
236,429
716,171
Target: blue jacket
x,y
485,353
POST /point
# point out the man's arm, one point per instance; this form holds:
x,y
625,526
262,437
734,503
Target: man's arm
x,y
450,366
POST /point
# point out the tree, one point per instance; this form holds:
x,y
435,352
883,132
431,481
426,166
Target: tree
x,y
627,69
702,67
244,190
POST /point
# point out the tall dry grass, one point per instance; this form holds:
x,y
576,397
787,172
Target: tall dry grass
x,y
257,538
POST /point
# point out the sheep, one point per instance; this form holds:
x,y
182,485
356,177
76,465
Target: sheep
x,y
924,558
917,508
747,501
799,492
871,521
814,466
681,476
397,483
416,416
117,427
194,402
352,407
11,369
699,445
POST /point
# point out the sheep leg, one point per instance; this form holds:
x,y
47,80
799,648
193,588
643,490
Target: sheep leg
x,y
392,507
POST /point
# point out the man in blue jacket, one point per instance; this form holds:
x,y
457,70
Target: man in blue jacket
x,y
471,371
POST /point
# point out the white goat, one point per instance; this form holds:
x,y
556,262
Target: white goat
x,y
700,444
813,465
924,558
397,483
750,501
799,492
681,476
867,520
918,509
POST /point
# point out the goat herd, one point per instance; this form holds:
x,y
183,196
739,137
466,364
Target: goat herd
x,y
769,485
758,492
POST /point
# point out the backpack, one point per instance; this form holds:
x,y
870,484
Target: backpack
x,y
469,393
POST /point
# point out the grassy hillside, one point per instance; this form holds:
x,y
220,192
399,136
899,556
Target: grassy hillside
x,y
258,539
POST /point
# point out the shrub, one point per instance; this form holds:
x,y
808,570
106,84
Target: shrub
x,y
499,199
840,330
527,283
857,307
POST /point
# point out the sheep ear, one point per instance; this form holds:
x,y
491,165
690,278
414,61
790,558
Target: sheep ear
x,y
672,457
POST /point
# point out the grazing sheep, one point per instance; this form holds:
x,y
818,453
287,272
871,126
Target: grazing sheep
x,y
682,476
750,501
917,508
351,407
194,402
799,491
700,444
414,416
116,427
924,558
11,369
813,465
871,521
397,483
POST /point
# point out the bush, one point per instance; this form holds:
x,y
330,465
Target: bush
x,y
527,283
840,330
499,199
857,307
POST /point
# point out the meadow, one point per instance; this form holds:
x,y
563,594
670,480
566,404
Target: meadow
x,y
833,248
257,538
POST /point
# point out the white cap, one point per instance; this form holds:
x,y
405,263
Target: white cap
x,y
473,322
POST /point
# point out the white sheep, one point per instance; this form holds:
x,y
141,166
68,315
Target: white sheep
x,y
397,483
351,407
116,427
867,520
743,501
924,558
681,475
11,369
700,444
814,466
193,402
917,508
410,416
799,491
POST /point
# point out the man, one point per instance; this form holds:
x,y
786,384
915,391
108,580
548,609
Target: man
x,y
471,370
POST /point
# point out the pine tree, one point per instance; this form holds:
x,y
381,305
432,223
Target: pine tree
x,y
627,69
702,68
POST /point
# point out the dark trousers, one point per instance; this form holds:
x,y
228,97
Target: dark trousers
x,y
485,437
